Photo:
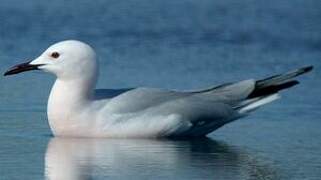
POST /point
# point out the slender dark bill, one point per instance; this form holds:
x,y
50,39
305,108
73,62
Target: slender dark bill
x,y
21,68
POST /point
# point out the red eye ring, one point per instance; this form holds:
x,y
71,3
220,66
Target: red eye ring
x,y
55,55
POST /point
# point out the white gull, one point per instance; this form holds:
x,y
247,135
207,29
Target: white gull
x,y
76,109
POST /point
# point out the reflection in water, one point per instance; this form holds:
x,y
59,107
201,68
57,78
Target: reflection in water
x,y
149,159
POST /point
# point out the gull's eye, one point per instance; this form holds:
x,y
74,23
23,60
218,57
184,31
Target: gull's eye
x,y
55,55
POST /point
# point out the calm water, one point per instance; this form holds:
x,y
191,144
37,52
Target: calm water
x,y
178,44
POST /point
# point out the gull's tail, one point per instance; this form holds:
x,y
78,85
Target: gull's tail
x,y
266,90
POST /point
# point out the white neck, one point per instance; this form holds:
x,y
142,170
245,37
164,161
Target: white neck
x,y
67,99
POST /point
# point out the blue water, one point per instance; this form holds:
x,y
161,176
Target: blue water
x,y
177,44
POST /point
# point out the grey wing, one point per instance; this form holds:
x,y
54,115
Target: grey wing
x,y
205,110
143,98
236,94
216,106
140,99
229,93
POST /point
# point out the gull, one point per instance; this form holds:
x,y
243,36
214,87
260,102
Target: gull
x,y
76,109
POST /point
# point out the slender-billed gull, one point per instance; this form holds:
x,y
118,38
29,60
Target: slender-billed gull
x,y
76,109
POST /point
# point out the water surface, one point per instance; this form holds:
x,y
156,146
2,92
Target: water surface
x,y
167,44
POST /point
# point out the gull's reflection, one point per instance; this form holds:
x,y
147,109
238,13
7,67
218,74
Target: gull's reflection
x,y
148,159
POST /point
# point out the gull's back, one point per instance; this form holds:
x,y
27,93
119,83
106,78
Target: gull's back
x,y
158,112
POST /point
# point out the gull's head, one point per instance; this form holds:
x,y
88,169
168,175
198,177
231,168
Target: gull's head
x,y
66,59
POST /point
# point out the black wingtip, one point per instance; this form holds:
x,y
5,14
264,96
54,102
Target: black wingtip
x,y
264,91
6,74
307,69
303,70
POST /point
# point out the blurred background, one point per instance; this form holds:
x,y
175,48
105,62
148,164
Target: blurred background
x,y
177,44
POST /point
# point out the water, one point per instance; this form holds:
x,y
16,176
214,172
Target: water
x,y
178,45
